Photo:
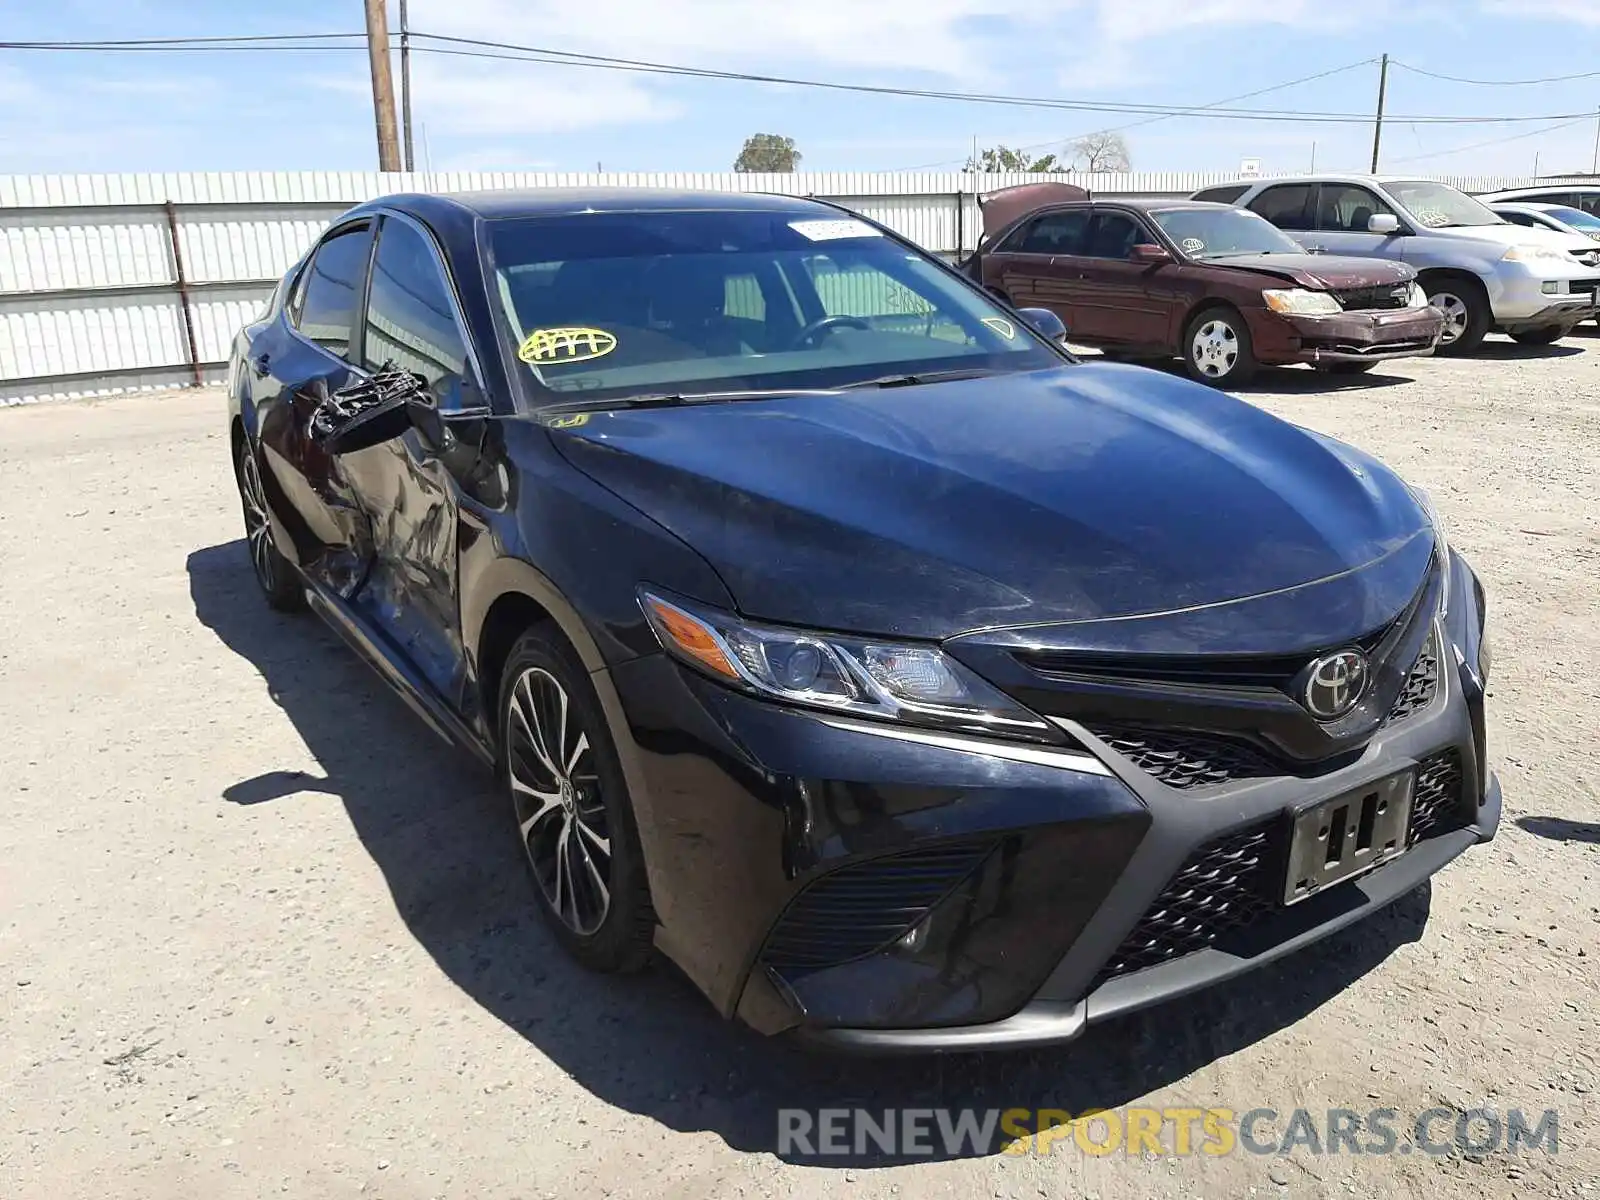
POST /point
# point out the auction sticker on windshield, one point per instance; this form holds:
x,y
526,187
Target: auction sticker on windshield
x,y
1193,245
1001,326
566,344
828,231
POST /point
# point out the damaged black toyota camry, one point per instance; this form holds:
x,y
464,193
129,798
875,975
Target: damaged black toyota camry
x,y
836,633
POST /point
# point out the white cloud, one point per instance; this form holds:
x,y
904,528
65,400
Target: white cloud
x,y
1585,12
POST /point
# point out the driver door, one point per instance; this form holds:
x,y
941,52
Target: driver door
x,y
318,522
411,486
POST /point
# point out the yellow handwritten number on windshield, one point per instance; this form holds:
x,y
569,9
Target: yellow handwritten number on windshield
x,y
567,344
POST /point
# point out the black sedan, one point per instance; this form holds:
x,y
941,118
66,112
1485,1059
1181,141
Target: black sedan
x,y
835,633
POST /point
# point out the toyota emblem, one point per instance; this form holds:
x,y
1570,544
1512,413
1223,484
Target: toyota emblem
x,y
1334,684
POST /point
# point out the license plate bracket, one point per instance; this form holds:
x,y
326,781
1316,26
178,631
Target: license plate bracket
x,y
1338,839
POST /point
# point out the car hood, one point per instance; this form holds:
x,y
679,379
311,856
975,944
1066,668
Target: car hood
x,y
1320,271
1514,235
1071,494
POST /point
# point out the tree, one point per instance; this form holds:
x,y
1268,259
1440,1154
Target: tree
x,y
767,152
999,159
1101,152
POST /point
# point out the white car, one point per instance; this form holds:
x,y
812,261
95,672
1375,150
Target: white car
x,y
1482,271
1560,217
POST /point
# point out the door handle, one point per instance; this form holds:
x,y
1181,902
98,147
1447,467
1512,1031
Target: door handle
x,y
261,363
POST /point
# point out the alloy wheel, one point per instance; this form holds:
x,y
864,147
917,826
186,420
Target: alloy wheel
x,y
561,812
257,531
1456,316
1216,349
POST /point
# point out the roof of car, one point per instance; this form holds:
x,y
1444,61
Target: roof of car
x,y
1526,206
1543,189
530,202
1331,177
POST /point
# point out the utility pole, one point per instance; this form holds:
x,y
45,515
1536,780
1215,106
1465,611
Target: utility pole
x,y
382,85
1594,168
405,86
1377,125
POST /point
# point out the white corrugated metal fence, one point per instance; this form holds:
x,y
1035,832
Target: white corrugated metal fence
x,y
89,296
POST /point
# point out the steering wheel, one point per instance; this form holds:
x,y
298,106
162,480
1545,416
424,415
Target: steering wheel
x,y
826,325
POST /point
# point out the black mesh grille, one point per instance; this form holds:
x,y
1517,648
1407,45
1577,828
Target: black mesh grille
x,y
1388,295
861,908
1421,684
1436,805
1182,759
1223,886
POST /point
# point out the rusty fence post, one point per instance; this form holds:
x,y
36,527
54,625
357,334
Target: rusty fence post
x,y
183,293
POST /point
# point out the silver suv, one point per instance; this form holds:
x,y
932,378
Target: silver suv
x,y
1482,271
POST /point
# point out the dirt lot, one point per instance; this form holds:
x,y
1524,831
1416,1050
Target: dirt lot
x,y
260,934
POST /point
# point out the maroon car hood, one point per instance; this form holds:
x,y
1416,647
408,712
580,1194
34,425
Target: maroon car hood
x,y
1320,271
1005,206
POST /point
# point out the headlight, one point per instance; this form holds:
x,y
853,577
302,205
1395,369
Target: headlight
x,y
1418,297
1536,254
1301,302
917,684
1441,545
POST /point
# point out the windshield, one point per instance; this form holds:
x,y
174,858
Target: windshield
x,y
1576,217
1440,206
1203,233
609,305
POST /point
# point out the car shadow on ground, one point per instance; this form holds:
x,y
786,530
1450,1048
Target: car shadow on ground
x,y
1559,829
1504,349
442,836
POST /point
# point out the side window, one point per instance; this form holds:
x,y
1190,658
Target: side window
x,y
1285,205
410,321
1114,235
331,289
1056,233
1346,208
1226,194
1518,218
1570,199
742,298
1589,202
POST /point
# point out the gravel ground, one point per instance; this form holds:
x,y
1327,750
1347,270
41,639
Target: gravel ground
x,y
259,934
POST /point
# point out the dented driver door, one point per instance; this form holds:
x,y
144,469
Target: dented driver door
x,y
411,485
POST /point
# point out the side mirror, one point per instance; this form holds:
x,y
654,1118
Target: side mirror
x,y
1149,254
1045,323
1384,223
369,412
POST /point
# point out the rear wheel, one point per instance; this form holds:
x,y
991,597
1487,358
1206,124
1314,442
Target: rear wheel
x,y
1548,335
574,815
1217,348
1465,306
280,582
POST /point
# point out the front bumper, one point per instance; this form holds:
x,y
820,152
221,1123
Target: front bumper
x,y
1520,303
876,888
1362,336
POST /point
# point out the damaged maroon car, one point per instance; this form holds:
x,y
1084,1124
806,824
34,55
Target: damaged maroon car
x,y
1218,286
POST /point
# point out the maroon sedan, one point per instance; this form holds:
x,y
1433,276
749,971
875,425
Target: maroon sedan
x,y
1218,286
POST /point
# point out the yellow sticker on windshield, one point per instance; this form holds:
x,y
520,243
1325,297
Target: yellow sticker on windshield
x,y
1001,326
570,421
565,344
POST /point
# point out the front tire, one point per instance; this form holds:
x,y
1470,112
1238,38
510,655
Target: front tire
x,y
1549,335
1466,313
1217,349
573,812
280,582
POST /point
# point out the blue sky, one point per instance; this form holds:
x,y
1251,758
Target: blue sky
x,y
63,112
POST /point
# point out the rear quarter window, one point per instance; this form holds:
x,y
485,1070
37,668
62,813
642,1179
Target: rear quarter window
x,y
1226,194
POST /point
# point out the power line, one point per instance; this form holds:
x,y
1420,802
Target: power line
x,y
1495,82
515,53
487,49
1198,109
1516,137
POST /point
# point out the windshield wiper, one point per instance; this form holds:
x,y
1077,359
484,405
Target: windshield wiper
x,y
673,399
889,381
